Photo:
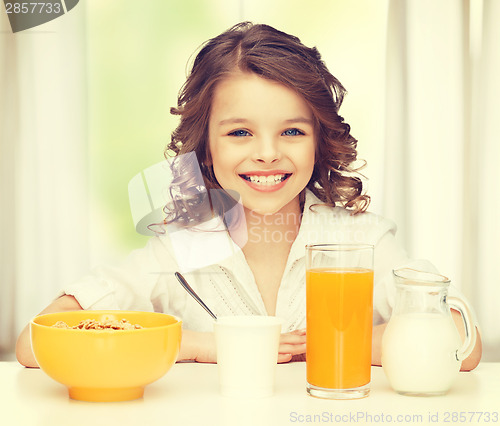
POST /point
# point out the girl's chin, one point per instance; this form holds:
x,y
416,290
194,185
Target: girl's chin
x,y
262,212
272,208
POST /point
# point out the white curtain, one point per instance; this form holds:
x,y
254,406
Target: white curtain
x,y
43,166
442,151
485,152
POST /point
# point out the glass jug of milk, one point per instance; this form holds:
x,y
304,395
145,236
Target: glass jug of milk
x,y
421,348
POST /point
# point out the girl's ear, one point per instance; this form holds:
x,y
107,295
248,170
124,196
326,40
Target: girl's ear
x,y
205,167
318,142
208,159
317,156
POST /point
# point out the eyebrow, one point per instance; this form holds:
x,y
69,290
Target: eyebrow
x,y
244,120
232,121
299,120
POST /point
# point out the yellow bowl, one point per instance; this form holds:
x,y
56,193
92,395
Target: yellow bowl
x,y
106,365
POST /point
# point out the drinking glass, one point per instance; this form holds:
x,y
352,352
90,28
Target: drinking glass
x,y
339,303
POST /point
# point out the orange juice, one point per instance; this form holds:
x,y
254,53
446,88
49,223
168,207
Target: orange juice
x,y
339,327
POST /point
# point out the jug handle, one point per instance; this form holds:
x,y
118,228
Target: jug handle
x,y
470,327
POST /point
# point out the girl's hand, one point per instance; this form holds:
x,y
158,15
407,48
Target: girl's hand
x,y
197,346
24,353
292,345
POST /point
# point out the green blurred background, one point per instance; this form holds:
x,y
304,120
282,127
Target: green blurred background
x,y
138,54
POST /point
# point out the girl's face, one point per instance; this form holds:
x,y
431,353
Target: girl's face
x,y
262,142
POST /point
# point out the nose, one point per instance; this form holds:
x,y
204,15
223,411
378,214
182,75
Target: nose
x,y
266,151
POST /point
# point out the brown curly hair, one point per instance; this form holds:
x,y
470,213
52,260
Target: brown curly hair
x,y
275,55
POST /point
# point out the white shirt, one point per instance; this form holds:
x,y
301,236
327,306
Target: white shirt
x,y
146,281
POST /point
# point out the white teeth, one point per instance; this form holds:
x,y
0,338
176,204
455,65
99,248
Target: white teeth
x,y
267,180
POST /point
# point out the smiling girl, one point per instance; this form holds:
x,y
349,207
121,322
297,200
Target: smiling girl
x,y
262,145
260,111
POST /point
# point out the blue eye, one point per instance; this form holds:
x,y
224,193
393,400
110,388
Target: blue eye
x,y
239,133
292,132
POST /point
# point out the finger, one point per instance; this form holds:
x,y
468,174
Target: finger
x,y
284,358
292,339
300,332
292,349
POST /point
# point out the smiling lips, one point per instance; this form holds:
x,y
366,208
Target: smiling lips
x,y
266,181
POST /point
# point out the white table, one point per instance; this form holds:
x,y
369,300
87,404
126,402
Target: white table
x,y
188,395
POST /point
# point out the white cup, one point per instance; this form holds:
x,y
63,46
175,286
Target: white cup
x,y
247,354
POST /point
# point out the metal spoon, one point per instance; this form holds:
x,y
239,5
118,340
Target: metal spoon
x,y
188,288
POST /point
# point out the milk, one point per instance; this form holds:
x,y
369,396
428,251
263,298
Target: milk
x,y
418,353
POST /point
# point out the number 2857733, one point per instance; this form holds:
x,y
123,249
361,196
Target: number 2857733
x,y
32,8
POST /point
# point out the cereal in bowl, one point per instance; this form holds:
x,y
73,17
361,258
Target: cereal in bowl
x,y
92,324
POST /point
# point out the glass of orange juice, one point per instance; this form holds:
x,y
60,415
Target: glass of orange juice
x,y
339,303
